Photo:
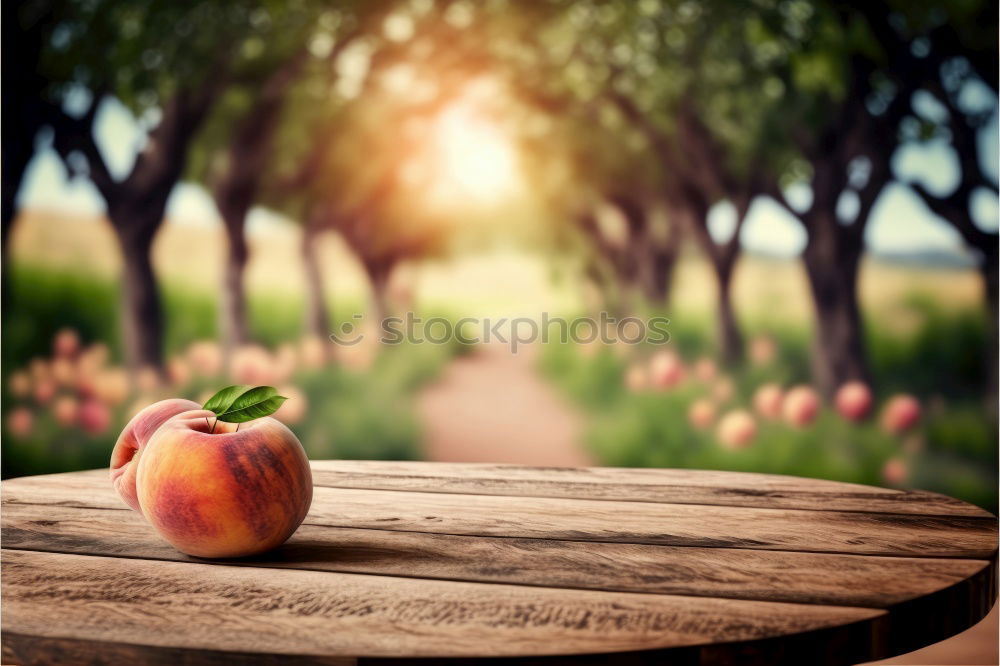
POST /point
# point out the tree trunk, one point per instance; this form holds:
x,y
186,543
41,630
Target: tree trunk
x,y
832,260
317,320
989,268
729,334
233,313
660,263
142,310
378,275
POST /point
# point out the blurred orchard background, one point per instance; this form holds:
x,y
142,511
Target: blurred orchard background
x,y
199,193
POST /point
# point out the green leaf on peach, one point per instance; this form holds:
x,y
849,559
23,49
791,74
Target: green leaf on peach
x,y
253,404
221,401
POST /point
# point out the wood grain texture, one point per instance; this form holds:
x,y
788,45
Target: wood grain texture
x,y
602,520
819,578
204,606
527,565
637,485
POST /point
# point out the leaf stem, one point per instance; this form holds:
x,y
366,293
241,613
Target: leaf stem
x,y
214,423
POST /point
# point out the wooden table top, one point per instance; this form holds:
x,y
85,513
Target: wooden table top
x,y
439,560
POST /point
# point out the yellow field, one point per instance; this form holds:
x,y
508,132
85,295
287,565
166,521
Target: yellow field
x,y
501,283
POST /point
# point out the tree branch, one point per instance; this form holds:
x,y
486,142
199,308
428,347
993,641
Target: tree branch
x,y
76,136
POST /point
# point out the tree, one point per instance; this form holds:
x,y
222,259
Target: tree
x,y
168,62
234,149
946,55
27,28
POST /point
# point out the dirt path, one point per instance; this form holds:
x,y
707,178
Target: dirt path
x,y
492,406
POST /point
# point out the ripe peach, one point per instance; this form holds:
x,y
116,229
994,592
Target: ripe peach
x,y
63,371
901,413
178,371
705,370
229,493
636,379
136,434
39,369
801,406
736,429
94,357
701,413
20,384
65,410
45,390
205,357
767,401
66,343
111,386
666,370
147,379
94,417
20,420
895,471
251,364
853,400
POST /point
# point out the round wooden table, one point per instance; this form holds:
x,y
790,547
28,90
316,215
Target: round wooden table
x,y
529,565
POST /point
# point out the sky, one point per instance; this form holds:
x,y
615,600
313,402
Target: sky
x,y
900,222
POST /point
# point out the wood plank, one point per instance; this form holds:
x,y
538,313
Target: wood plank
x,y
673,486
664,524
30,650
668,486
227,608
849,580
647,485
599,520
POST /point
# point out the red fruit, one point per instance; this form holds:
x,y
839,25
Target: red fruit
x,y
666,370
767,400
66,343
801,406
854,400
701,413
901,413
736,429
895,471
205,358
94,417
20,421
65,410
134,437
20,384
45,390
705,370
224,494
636,379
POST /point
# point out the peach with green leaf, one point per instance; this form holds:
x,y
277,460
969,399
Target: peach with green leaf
x,y
226,480
132,442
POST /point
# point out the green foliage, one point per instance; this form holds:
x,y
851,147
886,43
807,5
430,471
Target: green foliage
x,y
350,414
954,451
